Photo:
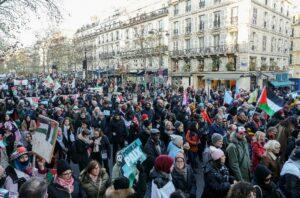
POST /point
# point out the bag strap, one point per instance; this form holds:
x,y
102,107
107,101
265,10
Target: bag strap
x,y
257,187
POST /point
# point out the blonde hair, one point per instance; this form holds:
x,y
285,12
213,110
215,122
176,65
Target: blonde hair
x,y
272,145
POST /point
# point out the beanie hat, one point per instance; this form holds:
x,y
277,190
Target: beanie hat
x,y
177,124
217,154
145,117
154,131
180,155
295,155
216,137
176,139
18,153
163,163
261,172
121,183
146,123
62,166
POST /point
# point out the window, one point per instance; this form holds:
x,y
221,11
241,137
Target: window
x,y
175,45
264,43
216,40
265,19
254,16
266,2
188,44
117,35
176,9
201,42
280,25
234,16
281,9
201,3
279,45
188,6
160,26
127,34
201,23
253,40
272,44
175,30
188,26
217,19
273,22
233,38
217,1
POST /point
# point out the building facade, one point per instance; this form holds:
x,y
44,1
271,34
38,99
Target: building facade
x,y
295,51
202,43
228,42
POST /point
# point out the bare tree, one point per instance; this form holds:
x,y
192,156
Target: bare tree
x,y
15,14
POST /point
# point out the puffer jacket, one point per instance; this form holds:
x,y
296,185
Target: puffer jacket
x,y
216,181
92,188
185,182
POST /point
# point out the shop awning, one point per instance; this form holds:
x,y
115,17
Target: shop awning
x,y
221,76
281,83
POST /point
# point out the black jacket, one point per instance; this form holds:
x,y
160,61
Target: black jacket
x,y
290,185
216,181
117,131
57,191
188,185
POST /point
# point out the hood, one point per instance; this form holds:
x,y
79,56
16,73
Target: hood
x,y
291,167
122,193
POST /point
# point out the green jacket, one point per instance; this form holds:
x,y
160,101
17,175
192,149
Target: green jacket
x,y
91,187
238,158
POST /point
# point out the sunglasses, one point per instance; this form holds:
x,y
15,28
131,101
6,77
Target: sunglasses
x,y
268,179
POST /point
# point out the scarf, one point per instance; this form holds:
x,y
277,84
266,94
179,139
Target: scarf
x,y
182,172
97,142
86,140
66,184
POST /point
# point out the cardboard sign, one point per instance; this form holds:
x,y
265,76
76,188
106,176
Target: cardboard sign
x,y
44,138
130,157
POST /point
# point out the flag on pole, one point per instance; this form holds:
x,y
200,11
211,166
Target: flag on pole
x,y
269,102
227,98
253,96
48,82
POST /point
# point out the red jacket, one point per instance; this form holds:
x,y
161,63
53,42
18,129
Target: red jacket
x,y
206,117
193,139
258,151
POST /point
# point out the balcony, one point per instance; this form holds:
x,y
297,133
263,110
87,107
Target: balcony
x,y
155,51
201,4
201,27
175,32
107,55
188,8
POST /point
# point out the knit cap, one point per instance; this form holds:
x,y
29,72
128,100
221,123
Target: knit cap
x,y
163,163
176,139
62,166
121,183
177,124
18,153
217,154
216,137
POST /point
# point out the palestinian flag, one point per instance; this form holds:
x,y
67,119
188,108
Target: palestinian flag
x,y
269,102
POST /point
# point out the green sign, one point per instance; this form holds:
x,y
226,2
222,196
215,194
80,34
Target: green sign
x,y
131,155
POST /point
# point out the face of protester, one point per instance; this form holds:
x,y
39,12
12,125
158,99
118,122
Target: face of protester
x,y
256,117
95,171
23,159
67,122
96,134
169,126
28,138
67,175
268,179
180,128
240,135
262,138
179,163
242,118
6,117
298,106
117,117
27,118
219,144
156,137
276,149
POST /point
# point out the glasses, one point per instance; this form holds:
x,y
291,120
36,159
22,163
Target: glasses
x,y
180,161
67,173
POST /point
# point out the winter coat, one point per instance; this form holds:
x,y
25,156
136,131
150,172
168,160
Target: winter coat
x,y
238,158
117,131
95,189
289,181
193,139
173,150
282,138
82,152
122,193
263,191
104,147
273,163
57,191
257,152
14,180
160,185
206,155
186,183
216,181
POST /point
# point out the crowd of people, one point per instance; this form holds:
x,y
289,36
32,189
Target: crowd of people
x,y
187,135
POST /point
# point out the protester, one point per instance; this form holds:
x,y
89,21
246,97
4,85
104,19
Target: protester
x,y
161,184
241,190
217,142
34,188
258,149
217,178
175,146
65,185
238,155
183,177
120,189
94,180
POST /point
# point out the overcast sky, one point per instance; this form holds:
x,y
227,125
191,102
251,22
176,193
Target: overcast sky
x,y
80,12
